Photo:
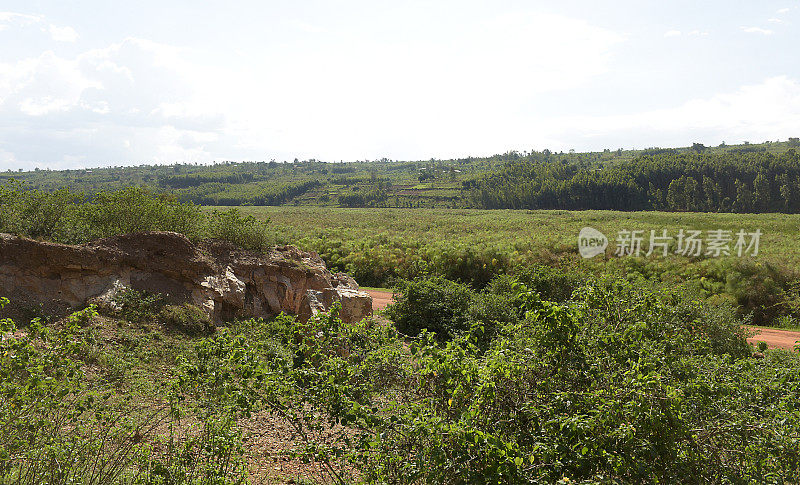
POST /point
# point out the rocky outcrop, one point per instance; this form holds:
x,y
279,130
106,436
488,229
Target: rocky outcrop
x,y
225,281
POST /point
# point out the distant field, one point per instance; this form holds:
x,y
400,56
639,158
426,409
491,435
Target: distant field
x,y
378,245
517,231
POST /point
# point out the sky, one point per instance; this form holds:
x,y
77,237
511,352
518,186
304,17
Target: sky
x,y
97,83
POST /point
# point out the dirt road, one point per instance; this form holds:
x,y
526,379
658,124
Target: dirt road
x,y
780,339
379,299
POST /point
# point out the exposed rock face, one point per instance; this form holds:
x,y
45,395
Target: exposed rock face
x,y
225,281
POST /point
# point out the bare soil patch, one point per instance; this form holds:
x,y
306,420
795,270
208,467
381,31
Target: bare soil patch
x,y
775,338
379,299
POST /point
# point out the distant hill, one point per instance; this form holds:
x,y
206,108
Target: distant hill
x,y
739,178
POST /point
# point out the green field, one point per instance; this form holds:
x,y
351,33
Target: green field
x,y
524,231
505,358
378,246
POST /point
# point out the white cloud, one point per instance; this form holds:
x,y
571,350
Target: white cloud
x,y
58,34
308,27
415,99
82,109
775,21
784,10
769,110
357,97
37,86
63,34
757,30
19,19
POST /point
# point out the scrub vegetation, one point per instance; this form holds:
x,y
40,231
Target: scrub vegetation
x,y
505,357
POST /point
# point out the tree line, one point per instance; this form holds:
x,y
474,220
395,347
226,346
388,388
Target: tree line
x,y
741,181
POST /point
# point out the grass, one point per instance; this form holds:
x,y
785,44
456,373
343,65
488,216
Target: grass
x,y
377,246
374,288
521,231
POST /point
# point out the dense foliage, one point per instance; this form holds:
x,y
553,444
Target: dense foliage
x,y
743,178
736,181
69,217
624,382
506,358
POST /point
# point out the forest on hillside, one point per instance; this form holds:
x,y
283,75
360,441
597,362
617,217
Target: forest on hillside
x,y
737,178
743,181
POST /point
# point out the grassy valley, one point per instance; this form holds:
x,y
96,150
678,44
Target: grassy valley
x,y
506,357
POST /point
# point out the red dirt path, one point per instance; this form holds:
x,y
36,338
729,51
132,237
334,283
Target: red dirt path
x,y
780,339
379,299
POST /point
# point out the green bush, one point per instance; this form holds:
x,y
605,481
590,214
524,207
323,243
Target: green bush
x,y
554,284
56,427
136,209
245,231
627,382
138,306
434,304
187,318
760,288
68,217
42,215
494,307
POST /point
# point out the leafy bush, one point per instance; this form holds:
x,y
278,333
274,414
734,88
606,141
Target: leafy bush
x,y
68,217
187,318
763,289
554,284
137,209
41,215
493,308
625,383
434,304
321,394
137,306
629,384
56,428
245,231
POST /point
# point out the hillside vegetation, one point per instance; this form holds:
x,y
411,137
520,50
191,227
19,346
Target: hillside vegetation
x,y
505,357
381,246
619,383
743,178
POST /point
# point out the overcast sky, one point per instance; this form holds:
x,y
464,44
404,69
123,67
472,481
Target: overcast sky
x,y
95,83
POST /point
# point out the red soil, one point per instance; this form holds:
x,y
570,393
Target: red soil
x,y
379,299
778,339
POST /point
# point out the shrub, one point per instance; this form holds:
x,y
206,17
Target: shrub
x,y
245,231
187,318
761,288
553,284
69,217
41,215
137,209
434,304
137,306
56,427
494,307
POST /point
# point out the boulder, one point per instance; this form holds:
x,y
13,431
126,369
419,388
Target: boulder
x,y
225,281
